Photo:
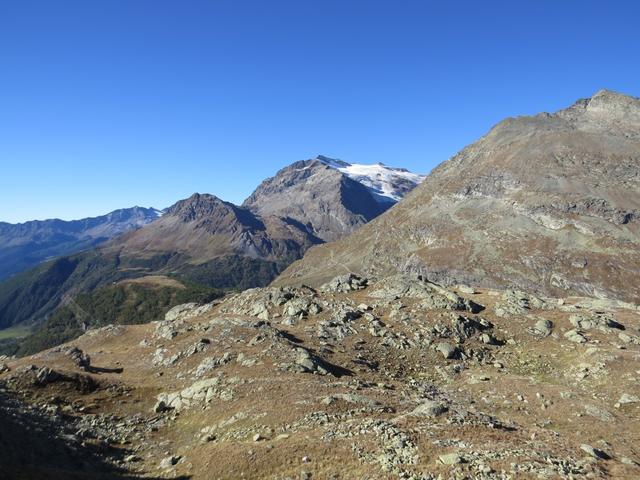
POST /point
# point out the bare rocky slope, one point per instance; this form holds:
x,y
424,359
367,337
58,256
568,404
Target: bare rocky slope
x,y
203,227
550,203
397,378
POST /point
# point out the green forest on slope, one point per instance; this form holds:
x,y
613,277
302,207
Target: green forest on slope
x,y
55,298
121,304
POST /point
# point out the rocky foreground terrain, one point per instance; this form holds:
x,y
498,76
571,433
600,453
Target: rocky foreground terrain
x,y
360,378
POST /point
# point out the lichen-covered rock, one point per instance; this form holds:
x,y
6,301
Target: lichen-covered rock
x,y
305,362
465,327
301,306
345,283
211,363
432,296
516,302
340,325
450,459
258,302
202,391
351,398
575,336
447,350
601,321
543,327
429,408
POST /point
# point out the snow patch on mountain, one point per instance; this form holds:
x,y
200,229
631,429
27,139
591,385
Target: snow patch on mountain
x,y
387,184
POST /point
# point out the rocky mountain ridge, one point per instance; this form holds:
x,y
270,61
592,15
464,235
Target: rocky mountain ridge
x,y
203,227
548,203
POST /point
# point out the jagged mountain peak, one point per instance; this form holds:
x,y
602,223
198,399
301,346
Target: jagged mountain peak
x,y
611,96
136,211
604,107
213,214
332,162
332,197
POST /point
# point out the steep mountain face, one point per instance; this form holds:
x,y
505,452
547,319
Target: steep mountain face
x,y
25,245
321,198
550,203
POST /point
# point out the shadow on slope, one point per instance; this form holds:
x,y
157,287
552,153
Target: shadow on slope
x,y
34,446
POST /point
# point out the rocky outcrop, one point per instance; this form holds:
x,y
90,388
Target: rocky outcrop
x,y
345,283
432,295
200,392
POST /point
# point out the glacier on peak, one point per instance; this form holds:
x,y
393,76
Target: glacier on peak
x,y
387,184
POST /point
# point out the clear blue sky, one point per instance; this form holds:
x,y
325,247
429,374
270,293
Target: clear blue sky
x,y
113,103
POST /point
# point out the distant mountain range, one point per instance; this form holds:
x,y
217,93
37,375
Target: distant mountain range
x,y
25,245
203,240
548,203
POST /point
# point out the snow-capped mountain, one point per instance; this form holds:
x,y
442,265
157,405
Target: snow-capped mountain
x,y
386,184
331,197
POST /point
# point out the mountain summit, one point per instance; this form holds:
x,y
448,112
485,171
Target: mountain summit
x,y
549,203
331,197
203,227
